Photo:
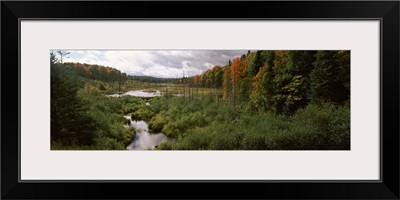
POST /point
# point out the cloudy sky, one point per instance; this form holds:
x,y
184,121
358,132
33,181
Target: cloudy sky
x,y
165,63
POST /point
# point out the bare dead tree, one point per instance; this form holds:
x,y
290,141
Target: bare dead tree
x,y
62,54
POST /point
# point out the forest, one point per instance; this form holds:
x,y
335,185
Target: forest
x,y
262,100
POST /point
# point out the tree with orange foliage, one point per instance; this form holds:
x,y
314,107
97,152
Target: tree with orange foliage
x,y
227,84
217,76
196,80
237,69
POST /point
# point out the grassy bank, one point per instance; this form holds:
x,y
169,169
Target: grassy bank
x,y
107,113
206,124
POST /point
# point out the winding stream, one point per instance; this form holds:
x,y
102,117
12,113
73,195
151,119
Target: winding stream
x,y
144,140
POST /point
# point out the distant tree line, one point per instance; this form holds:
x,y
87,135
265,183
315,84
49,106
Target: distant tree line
x,y
97,72
150,79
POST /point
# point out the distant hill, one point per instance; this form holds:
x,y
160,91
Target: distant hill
x,y
151,79
97,72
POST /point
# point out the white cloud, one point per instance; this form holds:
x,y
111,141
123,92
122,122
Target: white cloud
x,y
156,63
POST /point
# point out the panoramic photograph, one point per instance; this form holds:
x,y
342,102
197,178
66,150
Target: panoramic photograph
x,y
200,99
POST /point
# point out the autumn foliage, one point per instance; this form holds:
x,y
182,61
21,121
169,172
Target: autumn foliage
x,y
97,72
282,81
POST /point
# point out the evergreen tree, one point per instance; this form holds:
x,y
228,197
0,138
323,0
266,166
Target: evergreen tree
x,y
69,124
330,77
255,64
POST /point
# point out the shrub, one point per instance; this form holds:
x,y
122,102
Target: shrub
x,y
157,123
142,114
172,130
105,143
315,127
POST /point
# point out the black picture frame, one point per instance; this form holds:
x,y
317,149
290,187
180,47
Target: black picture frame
x,y
386,11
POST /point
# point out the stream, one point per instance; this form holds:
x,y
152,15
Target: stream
x,y
144,139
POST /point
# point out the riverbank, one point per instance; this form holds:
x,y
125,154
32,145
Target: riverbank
x,y
108,123
145,139
207,124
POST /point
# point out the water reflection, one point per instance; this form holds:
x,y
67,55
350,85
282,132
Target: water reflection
x,y
139,93
145,140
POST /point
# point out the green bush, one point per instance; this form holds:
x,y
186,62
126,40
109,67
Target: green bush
x,y
157,123
316,127
171,129
105,143
142,114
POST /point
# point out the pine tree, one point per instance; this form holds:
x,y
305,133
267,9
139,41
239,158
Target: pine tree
x,y
69,124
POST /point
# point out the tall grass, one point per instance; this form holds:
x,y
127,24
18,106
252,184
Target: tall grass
x,y
206,124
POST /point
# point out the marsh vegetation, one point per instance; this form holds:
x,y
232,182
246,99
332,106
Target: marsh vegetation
x,y
263,100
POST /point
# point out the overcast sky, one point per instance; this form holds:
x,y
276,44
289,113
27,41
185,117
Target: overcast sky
x,y
161,63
